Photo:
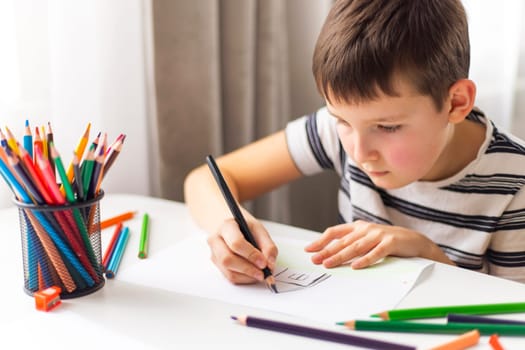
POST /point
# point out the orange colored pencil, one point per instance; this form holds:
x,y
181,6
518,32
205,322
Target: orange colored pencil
x,y
494,342
464,341
79,151
37,143
116,219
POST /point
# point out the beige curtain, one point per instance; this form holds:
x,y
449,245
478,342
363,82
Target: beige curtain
x,y
229,72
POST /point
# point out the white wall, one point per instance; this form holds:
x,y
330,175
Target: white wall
x,y
74,62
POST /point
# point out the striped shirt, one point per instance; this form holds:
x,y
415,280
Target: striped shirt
x,y
477,216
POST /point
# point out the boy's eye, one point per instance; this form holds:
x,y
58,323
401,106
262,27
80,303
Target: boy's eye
x,y
389,128
342,122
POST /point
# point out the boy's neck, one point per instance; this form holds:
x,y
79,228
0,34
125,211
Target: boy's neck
x,y
463,147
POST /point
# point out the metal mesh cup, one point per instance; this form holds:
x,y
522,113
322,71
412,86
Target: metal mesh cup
x,y
61,246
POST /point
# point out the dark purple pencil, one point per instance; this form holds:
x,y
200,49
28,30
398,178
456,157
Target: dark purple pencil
x,y
460,318
319,333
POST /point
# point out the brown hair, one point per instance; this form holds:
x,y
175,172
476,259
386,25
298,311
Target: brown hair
x,y
364,44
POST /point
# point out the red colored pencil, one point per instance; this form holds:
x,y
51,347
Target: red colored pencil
x,y
111,245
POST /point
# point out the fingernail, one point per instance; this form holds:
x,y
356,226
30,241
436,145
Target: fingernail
x,y
260,263
271,260
258,276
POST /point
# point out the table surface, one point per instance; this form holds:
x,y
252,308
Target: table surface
x,y
133,316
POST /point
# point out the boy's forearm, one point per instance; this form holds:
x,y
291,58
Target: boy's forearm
x,y
204,200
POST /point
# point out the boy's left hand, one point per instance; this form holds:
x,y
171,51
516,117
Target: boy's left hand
x,y
366,243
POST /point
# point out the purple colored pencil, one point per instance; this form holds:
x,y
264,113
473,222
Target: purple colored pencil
x,y
460,318
317,333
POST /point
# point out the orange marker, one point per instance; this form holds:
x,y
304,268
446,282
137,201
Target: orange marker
x,y
47,299
464,341
116,219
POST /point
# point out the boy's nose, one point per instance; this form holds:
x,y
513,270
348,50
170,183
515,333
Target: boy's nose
x,y
363,150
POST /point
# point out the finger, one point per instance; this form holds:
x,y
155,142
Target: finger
x,y
329,235
266,245
234,239
350,251
235,268
327,252
374,255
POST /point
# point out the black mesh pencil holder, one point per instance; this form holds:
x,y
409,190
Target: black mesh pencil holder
x,y
61,246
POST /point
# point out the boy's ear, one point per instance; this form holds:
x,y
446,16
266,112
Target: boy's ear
x,y
461,96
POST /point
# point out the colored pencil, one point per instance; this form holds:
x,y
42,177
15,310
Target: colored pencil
x,y
49,176
43,135
3,140
443,311
78,177
116,257
116,219
52,251
49,141
35,174
3,155
11,141
462,342
143,245
87,170
434,328
460,318
494,342
113,154
26,180
320,334
79,152
13,183
37,143
70,196
237,214
28,139
97,168
111,245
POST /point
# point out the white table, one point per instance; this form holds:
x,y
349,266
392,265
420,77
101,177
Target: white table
x,y
130,316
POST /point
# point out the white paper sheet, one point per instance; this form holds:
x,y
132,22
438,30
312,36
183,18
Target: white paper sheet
x,y
346,294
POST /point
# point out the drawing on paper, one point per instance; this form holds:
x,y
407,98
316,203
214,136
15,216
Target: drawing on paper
x,y
287,280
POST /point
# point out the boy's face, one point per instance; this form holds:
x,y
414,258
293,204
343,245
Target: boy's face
x,y
395,140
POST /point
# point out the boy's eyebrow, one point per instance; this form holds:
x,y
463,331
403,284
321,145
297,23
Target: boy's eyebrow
x,y
388,119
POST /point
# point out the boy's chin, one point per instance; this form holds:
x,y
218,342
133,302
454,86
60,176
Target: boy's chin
x,y
388,185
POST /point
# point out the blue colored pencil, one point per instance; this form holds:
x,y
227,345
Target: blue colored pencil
x,y
116,257
19,190
28,139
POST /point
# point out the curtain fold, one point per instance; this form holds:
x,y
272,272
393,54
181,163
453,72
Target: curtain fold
x,y
223,79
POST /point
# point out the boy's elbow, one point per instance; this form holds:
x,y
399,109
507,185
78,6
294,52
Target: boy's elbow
x,y
191,181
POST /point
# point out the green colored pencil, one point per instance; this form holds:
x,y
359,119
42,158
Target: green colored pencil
x,y
143,247
443,311
70,196
434,328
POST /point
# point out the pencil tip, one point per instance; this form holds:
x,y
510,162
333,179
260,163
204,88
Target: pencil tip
x,y
233,318
383,315
340,323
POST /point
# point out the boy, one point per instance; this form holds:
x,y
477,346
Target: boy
x,y
423,173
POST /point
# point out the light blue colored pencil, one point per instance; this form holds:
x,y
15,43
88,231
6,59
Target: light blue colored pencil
x,y
118,252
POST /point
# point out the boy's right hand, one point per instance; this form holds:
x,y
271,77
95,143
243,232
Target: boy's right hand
x,y
238,260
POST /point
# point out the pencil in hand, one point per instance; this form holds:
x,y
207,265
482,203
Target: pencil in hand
x,y
239,218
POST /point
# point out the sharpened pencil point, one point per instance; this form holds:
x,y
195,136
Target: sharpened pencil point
x,y
233,318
